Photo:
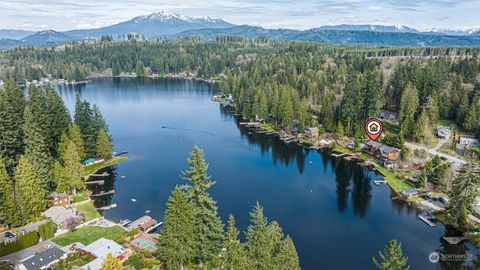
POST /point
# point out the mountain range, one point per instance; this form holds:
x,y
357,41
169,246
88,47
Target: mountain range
x,y
170,25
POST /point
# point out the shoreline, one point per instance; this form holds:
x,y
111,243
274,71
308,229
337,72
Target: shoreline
x,y
392,179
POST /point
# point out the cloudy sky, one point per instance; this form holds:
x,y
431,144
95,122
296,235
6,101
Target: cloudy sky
x,y
298,14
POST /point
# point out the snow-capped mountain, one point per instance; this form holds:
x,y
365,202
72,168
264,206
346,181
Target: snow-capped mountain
x,y
153,25
370,27
453,32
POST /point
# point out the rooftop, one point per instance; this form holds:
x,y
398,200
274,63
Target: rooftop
x,y
102,247
59,214
43,258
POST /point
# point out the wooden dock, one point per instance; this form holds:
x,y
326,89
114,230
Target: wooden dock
x,y
98,182
378,182
103,193
454,240
153,227
100,175
426,220
105,208
338,155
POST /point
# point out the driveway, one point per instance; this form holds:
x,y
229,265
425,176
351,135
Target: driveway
x,y
434,151
23,254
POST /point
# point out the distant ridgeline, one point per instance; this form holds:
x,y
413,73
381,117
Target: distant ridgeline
x,y
41,149
291,84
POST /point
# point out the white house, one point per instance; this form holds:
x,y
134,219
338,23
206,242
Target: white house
x,y
469,141
443,132
100,249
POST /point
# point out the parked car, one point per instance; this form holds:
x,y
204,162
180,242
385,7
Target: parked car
x,y
444,158
9,235
443,200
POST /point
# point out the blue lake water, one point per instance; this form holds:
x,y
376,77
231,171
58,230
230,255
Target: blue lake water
x,y
336,216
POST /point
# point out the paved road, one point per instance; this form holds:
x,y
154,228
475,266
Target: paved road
x,y
434,151
21,255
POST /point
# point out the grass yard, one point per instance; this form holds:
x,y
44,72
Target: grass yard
x,y
95,167
89,234
447,149
88,211
391,128
80,197
398,185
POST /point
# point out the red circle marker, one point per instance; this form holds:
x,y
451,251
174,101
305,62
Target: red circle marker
x,y
373,128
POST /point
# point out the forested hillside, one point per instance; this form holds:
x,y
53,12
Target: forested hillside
x,y
289,82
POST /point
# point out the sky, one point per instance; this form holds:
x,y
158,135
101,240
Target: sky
x,y
63,15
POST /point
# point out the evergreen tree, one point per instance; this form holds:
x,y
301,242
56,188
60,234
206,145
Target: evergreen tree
x,y
61,180
258,242
233,255
36,149
391,258
83,118
423,128
177,242
408,109
8,207
60,120
73,168
12,106
111,263
472,119
208,225
287,258
104,148
30,194
76,137
286,109
464,191
303,116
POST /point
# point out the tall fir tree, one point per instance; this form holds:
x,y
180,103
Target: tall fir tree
x,y
208,225
12,106
36,149
258,242
83,118
76,137
72,168
287,258
104,147
30,194
177,242
391,258
233,255
59,120
8,207
408,109
464,191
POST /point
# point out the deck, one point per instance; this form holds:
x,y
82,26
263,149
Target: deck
x,y
454,240
426,220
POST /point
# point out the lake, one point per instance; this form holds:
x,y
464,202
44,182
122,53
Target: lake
x,y
336,216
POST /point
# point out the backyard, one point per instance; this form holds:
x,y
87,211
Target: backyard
x,y
89,234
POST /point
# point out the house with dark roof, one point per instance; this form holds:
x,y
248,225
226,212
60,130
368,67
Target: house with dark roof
x,y
42,260
382,151
61,199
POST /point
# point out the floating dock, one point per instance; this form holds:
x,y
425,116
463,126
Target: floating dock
x,y
100,175
426,220
454,240
103,193
378,182
98,182
105,208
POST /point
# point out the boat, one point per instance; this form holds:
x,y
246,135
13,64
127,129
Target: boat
x,y
134,200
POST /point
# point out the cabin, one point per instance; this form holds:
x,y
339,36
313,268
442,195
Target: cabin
x,y
389,153
443,132
382,151
312,132
61,199
469,141
143,224
100,249
91,161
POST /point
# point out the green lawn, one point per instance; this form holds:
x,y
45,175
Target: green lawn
x,y
88,211
398,185
95,167
447,149
89,234
80,197
395,129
